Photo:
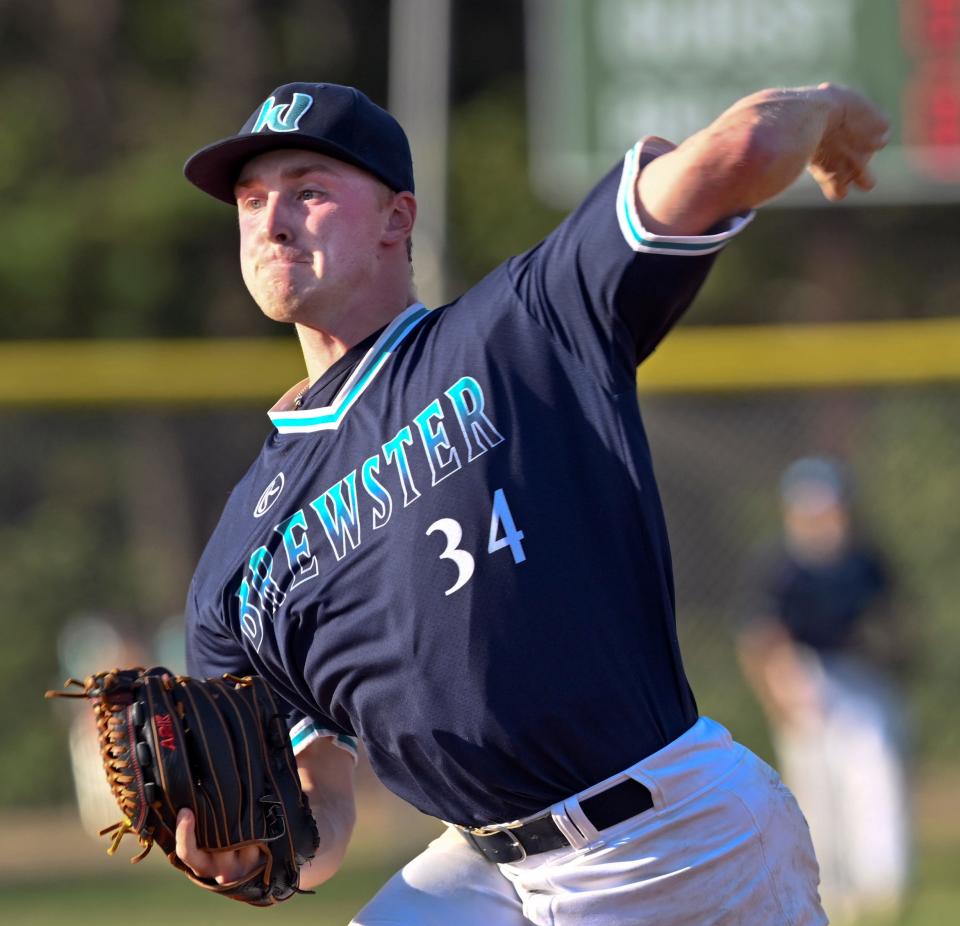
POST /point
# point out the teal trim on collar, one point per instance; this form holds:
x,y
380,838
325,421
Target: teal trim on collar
x,y
329,418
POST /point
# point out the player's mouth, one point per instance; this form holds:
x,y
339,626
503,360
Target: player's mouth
x,y
286,259
280,263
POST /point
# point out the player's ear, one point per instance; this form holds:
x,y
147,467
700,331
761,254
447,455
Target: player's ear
x,y
401,215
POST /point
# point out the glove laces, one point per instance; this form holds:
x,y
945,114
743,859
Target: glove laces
x,y
113,734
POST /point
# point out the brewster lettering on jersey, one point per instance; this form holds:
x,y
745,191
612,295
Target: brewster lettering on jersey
x,y
344,511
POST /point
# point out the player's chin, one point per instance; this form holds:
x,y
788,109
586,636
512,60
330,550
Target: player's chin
x,y
285,308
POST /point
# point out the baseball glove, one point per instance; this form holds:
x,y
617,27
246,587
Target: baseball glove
x,y
217,747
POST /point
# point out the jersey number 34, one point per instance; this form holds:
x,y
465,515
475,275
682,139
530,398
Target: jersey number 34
x,y
500,519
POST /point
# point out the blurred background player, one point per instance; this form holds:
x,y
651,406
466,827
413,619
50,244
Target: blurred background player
x,y
819,653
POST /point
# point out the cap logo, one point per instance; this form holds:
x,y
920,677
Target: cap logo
x,y
282,117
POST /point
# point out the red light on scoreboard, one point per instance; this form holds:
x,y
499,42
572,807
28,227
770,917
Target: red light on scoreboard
x,y
930,27
931,119
931,98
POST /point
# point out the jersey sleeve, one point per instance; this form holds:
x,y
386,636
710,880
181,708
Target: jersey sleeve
x,y
213,651
305,730
606,288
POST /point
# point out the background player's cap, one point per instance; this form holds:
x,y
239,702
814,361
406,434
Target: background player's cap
x,y
815,482
334,120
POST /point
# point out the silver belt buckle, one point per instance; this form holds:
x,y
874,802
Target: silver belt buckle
x,y
517,843
505,828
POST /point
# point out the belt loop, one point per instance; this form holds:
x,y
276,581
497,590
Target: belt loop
x,y
652,784
573,823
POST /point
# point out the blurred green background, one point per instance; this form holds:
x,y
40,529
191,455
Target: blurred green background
x,y
104,510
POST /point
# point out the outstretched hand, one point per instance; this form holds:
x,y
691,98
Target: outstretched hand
x,y
224,867
856,131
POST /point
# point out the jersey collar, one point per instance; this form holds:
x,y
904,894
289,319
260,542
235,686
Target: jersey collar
x,y
328,418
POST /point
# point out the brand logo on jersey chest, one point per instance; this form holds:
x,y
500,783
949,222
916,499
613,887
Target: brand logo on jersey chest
x,y
270,494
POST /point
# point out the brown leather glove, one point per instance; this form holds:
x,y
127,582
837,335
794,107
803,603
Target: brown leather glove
x,y
217,747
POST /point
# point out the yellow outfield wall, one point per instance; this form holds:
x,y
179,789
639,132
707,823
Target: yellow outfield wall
x,y
692,359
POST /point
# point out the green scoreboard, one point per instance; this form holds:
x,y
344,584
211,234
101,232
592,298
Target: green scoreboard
x,y
604,72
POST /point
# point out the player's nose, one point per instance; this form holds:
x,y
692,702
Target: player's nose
x,y
276,224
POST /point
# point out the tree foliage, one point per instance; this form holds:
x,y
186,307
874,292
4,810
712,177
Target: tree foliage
x,y
101,238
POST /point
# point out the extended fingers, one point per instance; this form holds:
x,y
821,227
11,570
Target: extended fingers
x,y
858,130
246,860
834,180
224,866
865,180
188,852
838,165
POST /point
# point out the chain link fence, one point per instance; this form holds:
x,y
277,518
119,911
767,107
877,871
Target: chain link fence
x,y
106,512
719,461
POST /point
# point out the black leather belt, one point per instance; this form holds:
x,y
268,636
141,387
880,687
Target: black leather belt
x,y
603,810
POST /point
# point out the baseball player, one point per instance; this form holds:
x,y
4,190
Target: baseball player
x,y
451,545
818,652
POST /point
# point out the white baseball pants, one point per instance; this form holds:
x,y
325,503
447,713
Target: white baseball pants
x,y
724,844
845,763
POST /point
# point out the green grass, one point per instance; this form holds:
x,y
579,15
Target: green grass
x,y
164,898
155,895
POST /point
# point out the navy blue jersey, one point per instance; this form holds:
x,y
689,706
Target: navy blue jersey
x,y
824,605
455,550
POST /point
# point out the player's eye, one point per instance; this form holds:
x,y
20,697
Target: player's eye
x,y
310,194
251,203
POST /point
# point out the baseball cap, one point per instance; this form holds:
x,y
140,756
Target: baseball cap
x,y
815,482
335,120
